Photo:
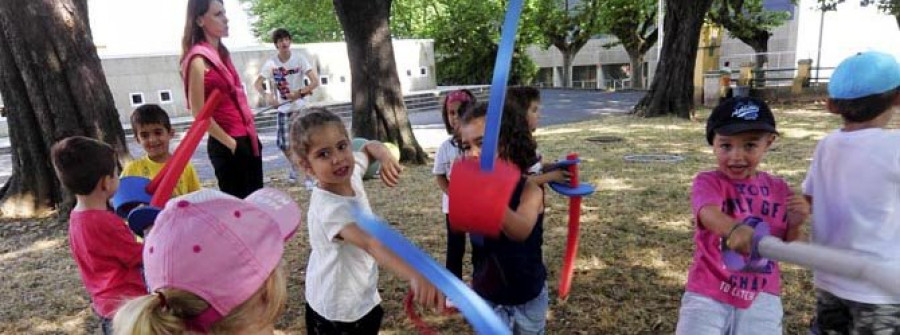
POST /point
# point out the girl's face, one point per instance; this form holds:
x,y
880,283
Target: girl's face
x,y
214,22
739,155
471,135
533,114
453,114
330,156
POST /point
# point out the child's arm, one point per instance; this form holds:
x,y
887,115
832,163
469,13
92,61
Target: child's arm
x,y
558,175
258,85
798,211
120,244
518,224
442,182
738,236
426,294
390,168
197,97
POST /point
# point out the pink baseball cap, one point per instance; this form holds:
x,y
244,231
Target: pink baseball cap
x,y
219,247
458,96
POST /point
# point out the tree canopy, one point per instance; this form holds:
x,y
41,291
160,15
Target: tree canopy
x,y
466,32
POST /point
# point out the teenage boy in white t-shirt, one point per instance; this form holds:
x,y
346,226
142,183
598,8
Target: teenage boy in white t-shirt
x,y
284,72
853,184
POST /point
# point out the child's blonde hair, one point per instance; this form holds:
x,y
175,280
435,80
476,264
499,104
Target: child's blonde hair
x,y
166,311
303,127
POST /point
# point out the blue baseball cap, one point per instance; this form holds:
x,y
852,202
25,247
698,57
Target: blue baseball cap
x,y
864,74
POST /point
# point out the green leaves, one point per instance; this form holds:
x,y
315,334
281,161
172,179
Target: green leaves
x,y
747,21
466,32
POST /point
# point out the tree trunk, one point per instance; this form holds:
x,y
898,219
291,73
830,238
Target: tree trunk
x,y
760,45
567,56
637,70
378,108
53,87
672,90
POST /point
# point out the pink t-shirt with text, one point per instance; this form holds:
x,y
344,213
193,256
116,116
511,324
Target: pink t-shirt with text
x,y
763,196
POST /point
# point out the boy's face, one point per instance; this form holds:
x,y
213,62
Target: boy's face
x,y
534,113
283,45
471,135
739,155
154,138
330,156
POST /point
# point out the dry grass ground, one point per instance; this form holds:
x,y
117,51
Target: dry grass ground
x,y
635,235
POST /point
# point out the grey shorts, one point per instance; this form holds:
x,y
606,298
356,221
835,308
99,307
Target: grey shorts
x,y
840,316
701,315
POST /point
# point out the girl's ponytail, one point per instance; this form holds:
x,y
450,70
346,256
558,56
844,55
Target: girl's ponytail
x,y
159,313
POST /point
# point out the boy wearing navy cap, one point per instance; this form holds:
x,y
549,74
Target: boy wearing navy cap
x,y
726,202
853,185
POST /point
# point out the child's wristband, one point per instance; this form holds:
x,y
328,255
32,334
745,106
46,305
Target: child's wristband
x,y
730,232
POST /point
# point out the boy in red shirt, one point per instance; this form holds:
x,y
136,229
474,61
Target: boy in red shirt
x,y
108,256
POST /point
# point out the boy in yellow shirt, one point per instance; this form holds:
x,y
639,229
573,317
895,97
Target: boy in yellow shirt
x,y
153,131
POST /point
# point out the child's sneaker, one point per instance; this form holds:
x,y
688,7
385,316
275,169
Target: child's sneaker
x,y
292,176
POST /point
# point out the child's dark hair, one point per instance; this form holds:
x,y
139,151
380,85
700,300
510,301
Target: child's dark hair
x,y
150,114
516,144
472,100
302,128
519,98
864,108
280,33
80,162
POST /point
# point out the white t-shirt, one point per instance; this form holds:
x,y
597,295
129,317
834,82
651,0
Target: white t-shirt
x,y
341,279
287,77
446,154
536,168
854,180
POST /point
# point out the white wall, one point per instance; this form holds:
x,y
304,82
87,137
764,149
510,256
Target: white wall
x,y
850,29
151,74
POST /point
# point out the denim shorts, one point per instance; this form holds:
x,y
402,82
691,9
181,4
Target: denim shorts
x,y
701,315
528,318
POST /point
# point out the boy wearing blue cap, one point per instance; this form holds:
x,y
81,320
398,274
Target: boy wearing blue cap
x,y
853,184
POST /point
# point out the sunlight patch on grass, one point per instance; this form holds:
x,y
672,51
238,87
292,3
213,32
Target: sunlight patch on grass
x,y
34,247
657,126
613,184
802,133
591,263
559,131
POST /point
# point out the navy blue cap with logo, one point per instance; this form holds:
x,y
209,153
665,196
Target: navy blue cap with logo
x,y
738,115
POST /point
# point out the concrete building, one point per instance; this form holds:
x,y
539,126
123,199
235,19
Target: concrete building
x,y
850,29
139,79
136,80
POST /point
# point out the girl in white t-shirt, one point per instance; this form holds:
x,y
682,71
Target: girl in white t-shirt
x,y
454,104
342,276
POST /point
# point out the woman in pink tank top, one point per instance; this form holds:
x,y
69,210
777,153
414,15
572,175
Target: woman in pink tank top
x,y
233,144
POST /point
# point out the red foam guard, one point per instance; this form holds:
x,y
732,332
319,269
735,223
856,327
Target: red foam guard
x,y
479,200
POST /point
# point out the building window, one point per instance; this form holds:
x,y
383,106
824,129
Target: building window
x,y
423,71
323,80
165,96
343,79
137,99
409,73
